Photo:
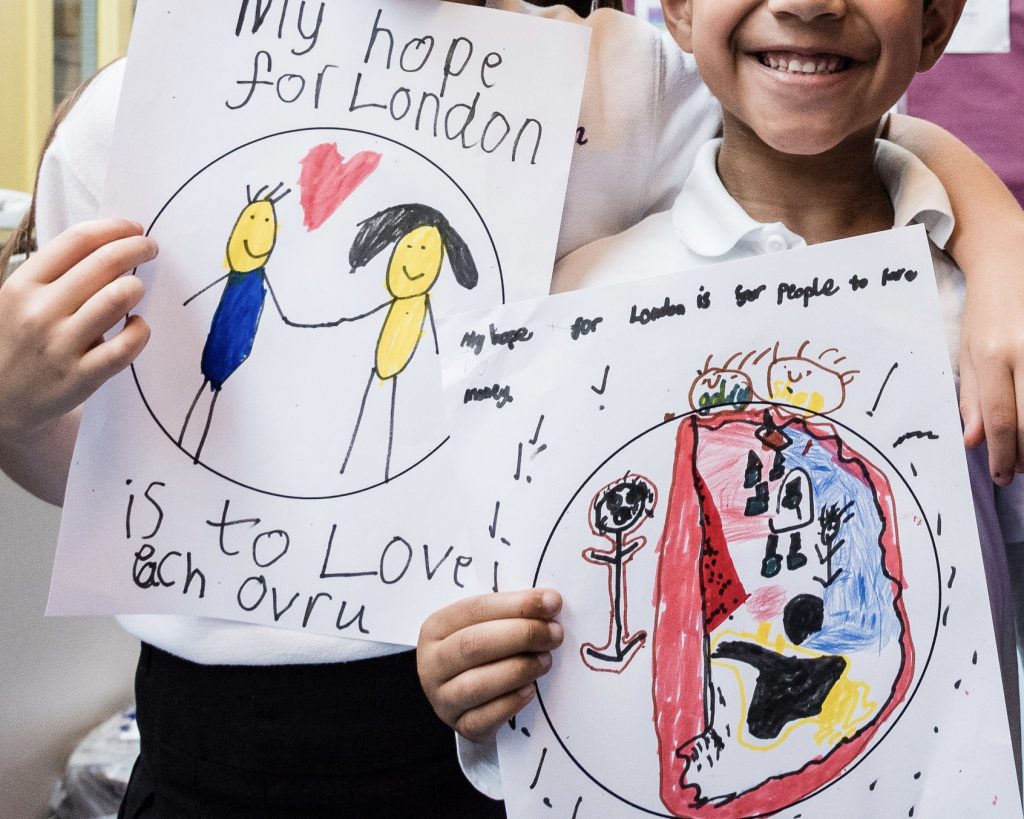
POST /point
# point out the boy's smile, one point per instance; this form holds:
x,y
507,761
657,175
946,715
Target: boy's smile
x,y
793,62
806,74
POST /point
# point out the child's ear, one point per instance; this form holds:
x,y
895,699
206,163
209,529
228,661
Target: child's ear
x,y
940,18
679,20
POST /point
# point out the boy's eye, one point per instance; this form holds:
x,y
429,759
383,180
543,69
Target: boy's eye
x,y
252,215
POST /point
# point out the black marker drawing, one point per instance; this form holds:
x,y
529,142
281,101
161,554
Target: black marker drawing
x,y
916,434
617,512
337,169
885,381
785,645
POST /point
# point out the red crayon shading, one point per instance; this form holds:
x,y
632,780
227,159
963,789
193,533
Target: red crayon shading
x,y
768,602
327,180
693,597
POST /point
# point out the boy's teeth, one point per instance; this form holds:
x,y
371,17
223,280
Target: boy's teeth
x,y
799,64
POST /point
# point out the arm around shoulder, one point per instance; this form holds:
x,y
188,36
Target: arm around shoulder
x,y
983,206
988,245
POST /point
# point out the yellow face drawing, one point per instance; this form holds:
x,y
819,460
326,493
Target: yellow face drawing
x,y
804,383
415,263
253,237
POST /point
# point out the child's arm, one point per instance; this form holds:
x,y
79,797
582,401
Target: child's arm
x,y
988,245
477,658
54,312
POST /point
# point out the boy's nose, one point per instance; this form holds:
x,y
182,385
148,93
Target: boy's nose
x,y
808,10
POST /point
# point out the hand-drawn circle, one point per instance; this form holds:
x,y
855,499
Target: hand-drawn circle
x,y
891,722
413,156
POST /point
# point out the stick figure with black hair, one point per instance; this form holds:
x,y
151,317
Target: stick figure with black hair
x,y
419,238
237,317
616,513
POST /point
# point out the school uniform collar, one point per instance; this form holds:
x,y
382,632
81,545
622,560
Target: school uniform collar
x,y
710,223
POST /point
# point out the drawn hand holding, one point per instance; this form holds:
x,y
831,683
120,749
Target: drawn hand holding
x,y
477,658
992,375
318,325
54,312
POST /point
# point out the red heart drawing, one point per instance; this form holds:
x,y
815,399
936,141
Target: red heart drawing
x,y
327,180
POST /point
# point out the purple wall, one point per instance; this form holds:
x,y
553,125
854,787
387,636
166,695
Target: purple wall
x,y
980,98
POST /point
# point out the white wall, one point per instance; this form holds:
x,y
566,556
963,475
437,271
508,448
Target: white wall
x,y
58,677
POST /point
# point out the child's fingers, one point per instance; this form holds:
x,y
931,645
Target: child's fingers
x,y
970,411
481,723
481,685
63,252
539,604
999,415
1018,385
100,268
486,643
108,358
103,311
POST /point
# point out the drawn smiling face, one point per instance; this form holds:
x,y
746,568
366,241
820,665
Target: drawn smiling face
x,y
804,383
716,387
622,506
415,262
253,237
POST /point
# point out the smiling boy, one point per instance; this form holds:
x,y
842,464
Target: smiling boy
x,y
804,86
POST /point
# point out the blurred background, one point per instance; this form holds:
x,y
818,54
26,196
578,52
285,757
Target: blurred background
x,y
58,678
48,47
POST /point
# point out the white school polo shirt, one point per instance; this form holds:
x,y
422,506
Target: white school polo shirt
x,y
706,226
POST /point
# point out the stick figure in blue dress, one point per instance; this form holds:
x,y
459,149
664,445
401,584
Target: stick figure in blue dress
x,y
237,318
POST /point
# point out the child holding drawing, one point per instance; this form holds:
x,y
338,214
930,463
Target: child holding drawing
x,y
804,85
292,722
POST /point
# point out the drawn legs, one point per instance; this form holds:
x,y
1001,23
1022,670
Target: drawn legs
x,y
359,420
622,646
206,429
391,428
209,419
191,409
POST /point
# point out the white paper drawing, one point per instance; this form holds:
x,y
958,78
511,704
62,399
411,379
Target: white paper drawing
x,y
325,181
754,502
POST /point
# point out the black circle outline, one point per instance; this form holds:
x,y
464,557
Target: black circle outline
x,y
189,181
892,723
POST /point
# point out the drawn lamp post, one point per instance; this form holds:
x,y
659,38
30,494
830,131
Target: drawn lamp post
x,y
617,512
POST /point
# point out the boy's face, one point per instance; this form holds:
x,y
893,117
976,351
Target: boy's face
x,y
806,74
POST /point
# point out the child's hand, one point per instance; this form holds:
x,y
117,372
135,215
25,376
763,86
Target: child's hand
x,y
477,658
991,362
54,311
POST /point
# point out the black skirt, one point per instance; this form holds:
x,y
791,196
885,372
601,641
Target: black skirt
x,y
339,740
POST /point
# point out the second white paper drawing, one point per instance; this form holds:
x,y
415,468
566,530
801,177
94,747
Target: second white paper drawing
x,y
748,483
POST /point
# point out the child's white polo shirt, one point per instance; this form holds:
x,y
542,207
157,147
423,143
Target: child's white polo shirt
x,y
706,225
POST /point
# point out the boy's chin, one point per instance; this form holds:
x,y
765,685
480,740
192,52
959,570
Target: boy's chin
x,y
807,142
